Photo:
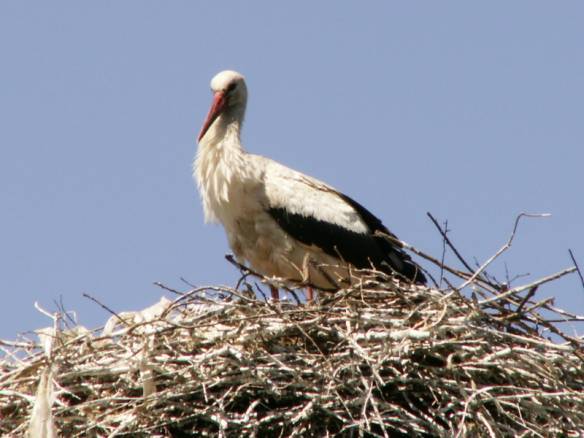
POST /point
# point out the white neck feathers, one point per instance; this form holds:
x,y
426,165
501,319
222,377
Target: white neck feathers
x,y
220,160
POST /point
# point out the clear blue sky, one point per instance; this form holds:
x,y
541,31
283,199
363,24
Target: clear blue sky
x,y
472,111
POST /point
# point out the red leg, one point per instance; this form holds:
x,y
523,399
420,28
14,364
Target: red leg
x,y
275,293
309,295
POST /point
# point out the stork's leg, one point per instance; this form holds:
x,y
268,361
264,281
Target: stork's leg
x,y
275,293
309,295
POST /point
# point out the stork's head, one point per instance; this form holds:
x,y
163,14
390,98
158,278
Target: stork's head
x,y
229,99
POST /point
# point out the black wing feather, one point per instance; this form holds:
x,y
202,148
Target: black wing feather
x,y
362,250
395,256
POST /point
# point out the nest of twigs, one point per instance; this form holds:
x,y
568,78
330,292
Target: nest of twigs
x,y
380,359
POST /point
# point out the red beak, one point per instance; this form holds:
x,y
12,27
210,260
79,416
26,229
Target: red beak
x,y
214,112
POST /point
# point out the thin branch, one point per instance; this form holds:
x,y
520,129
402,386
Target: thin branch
x,y
528,286
66,314
443,257
431,259
188,283
449,243
246,271
527,297
577,267
169,289
502,249
106,308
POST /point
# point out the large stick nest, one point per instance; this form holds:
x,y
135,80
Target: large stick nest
x,y
383,358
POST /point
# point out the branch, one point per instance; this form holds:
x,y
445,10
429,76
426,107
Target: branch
x,y
103,306
425,256
449,243
577,267
528,286
502,249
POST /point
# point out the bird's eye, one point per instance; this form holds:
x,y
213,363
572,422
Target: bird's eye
x,y
231,87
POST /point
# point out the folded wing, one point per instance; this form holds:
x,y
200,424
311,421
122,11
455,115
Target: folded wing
x,y
316,214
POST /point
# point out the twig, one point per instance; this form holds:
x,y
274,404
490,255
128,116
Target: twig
x,y
527,297
443,256
428,257
169,289
188,283
502,249
416,251
106,308
244,269
577,267
528,286
448,242
66,314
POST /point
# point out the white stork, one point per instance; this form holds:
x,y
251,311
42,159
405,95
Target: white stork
x,y
283,223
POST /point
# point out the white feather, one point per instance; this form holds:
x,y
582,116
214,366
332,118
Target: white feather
x,y
307,196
